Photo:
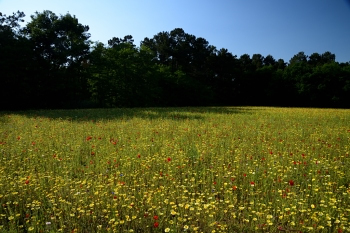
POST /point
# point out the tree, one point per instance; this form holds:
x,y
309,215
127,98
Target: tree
x,y
225,68
61,45
245,62
269,60
62,41
281,64
315,59
299,57
184,53
160,46
328,57
257,61
15,63
122,75
115,41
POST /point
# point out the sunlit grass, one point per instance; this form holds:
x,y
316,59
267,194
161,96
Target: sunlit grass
x,y
175,170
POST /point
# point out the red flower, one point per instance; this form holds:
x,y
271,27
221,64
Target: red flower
x,y
88,138
155,217
168,159
156,224
234,187
291,183
245,175
26,182
252,183
138,156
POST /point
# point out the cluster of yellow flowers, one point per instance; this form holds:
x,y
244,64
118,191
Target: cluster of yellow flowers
x,y
175,170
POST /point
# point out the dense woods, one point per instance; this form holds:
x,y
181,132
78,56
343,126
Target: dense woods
x,y
51,63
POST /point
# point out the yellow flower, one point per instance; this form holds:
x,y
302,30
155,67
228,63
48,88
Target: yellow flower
x,y
30,228
167,229
186,227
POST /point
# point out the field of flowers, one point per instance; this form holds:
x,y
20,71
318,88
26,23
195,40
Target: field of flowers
x,y
175,170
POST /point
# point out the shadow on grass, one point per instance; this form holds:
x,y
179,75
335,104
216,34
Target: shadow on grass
x,y
173,113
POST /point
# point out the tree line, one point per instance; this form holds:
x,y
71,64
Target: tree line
x,y
51,63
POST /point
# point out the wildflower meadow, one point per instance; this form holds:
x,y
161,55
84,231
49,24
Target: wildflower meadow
x,y
218,169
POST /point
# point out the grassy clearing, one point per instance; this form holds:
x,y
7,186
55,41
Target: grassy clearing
x,y
175,170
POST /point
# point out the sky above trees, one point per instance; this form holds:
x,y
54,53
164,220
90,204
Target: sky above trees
x,y
279,28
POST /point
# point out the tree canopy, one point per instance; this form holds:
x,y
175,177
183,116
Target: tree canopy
x,y
51,63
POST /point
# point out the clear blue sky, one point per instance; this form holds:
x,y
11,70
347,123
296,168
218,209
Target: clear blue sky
x,y
281,28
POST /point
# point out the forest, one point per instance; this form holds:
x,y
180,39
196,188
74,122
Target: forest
x,y
51,63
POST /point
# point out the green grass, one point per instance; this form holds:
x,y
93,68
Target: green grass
x,y
221,169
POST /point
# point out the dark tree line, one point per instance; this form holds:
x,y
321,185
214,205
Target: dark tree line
x,y
51,63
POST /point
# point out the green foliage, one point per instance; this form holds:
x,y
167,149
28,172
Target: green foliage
x,y
60,45
50,63
122,75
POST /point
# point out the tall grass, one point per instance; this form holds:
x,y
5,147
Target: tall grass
x,y
175,170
